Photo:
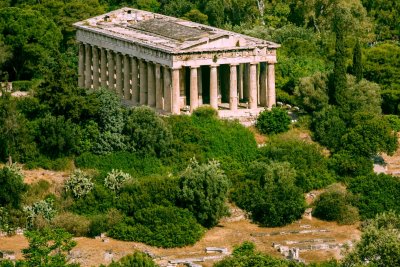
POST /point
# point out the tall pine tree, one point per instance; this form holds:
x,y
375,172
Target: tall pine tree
x,y
357,62
339,71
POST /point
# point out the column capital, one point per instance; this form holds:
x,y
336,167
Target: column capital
x,y
272,62
234,64
254,63
214,65
194,67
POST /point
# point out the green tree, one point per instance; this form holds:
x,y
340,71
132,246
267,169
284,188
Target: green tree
x,y
147,133
33,41
379,244
270,194
312,92
272,122
48,248
204,190
357,62
12,186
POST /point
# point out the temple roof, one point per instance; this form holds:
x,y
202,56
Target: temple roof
x,y
167,33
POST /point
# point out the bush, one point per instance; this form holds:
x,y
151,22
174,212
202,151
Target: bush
x,y
100,223
376,194
311,165
79,184
204,190
147,133
59,164
206,112
394,122
270,194
272,122
335,204
160,226
137,259
12,186
38,211
127,162
74,224
116,179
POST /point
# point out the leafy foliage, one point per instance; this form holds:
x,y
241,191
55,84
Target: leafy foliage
x,y
270,194
12,186
137,259
380,243
116,179
376,194
272,122
48,248
336,204
41,209
204,191
78,183
160,226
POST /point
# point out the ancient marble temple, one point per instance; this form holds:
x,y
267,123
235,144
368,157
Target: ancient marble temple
x,y
174,65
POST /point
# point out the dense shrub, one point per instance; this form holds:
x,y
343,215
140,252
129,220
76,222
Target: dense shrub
x,y
137,259
116,179
204,191
394,122
43,209
59,164
36,191
79,183
205,112
72,223
103,223
128,162
272,122
99,200
210,138
311,165
270,194
146,132
376,194
336,204
12,186
160,226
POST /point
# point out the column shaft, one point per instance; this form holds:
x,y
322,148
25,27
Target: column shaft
x,y
118,75
111,70
271,85
96,77
233,101
263,84
151,87
103,67
159,93
240,81
88,67
176,91
135,82
143,82
253,86
200,85
194,89
213,87
167,89
81,67
127,78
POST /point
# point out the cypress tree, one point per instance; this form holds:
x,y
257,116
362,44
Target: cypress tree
x,y
339,71
357,64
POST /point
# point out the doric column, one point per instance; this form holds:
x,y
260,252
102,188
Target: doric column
x,y
253,86
214,87
159,93
176,109
167,89
103,67
151,87
271,85
200,85
263,84
88,66
233,101
143,82
111,70
81,67
135,81
240,81
96,77
118,74
194,89
127,78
